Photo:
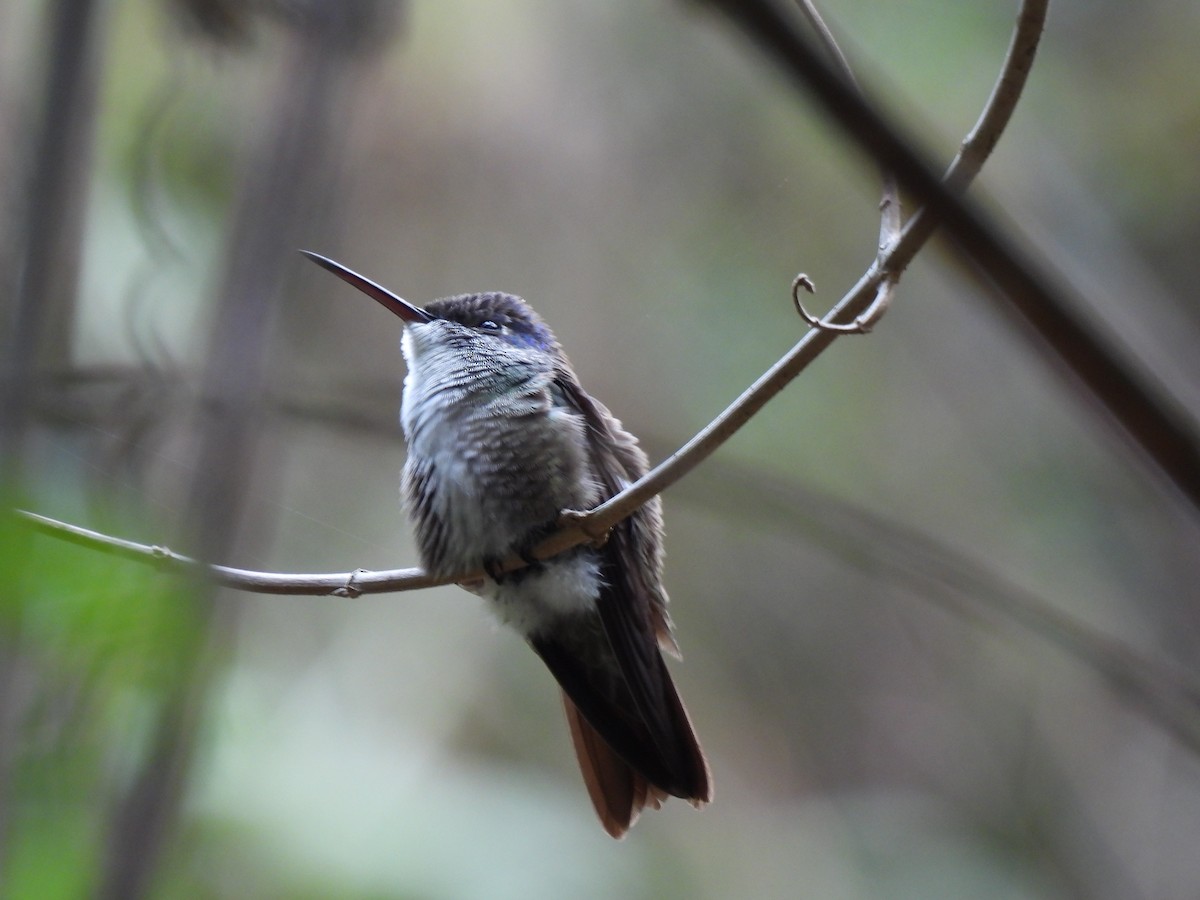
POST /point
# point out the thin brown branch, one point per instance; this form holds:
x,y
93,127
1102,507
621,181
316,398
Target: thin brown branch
x,y
342,584
582,526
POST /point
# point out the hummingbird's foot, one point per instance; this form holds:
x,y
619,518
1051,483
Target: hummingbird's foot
x,y
532,563
494,566
525,551
496,570
578,518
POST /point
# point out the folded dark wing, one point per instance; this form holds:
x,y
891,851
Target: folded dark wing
x,y
654,732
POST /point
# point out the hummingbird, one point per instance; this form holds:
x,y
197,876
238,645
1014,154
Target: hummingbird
x,y
502,439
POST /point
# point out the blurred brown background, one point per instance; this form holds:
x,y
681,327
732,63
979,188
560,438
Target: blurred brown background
x,y
651,187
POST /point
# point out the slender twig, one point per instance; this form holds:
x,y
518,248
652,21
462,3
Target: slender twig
x,y
825,34
346,584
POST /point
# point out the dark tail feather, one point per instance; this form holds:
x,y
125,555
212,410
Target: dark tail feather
x,y
653,739
617,791
699,778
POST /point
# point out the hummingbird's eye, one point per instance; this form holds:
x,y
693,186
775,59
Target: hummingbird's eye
x,y
491,326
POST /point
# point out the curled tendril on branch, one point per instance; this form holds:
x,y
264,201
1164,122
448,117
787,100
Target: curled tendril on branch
x,y
861,324
889,205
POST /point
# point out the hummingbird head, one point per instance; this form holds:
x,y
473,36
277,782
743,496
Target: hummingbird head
x,y
492,318
492,331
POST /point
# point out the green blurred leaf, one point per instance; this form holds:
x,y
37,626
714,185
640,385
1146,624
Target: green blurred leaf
x,y
92,644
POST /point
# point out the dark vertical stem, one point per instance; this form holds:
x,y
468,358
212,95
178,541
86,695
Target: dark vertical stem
x,y
285,185
39,284
46,244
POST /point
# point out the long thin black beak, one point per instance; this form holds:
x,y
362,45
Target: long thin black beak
x,y
389,301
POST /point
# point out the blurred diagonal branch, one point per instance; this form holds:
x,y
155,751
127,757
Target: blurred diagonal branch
x,y
898,553
1142,410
